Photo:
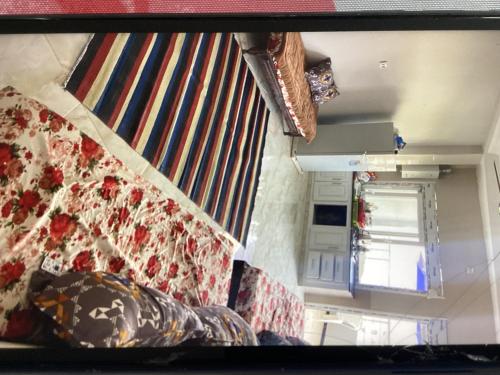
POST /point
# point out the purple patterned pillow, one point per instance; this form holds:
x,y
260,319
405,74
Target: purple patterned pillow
x,y
97,309
320,79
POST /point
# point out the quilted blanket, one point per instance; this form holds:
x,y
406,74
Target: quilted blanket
x,y
63,196
267,305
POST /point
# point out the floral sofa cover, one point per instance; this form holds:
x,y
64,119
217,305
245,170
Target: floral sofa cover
x,y
267,305
64,197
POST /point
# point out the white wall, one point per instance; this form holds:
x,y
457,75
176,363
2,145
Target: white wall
x,y
440,87
467,304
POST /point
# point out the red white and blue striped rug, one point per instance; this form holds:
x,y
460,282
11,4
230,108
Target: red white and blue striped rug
x,y
187,103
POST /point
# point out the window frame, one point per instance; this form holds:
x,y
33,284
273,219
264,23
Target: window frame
x,y
431,322
427,222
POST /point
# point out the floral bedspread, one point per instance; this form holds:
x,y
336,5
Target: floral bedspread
x,y
64,196
267,305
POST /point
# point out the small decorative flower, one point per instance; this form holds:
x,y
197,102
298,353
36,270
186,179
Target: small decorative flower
x,y
20,216
52,179
29,199
141,235
62,226
83,262
10,273
110,188
7,208
172,270
116,264
136,197
153,266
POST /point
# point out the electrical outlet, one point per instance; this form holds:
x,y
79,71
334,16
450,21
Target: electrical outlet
x,y
52,266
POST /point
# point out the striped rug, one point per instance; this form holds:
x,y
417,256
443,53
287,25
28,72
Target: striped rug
x,y
189,104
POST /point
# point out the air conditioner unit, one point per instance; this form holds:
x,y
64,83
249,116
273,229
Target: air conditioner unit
x,y
420,171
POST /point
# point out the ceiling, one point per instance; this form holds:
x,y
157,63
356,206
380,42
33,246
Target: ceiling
x,y
439,87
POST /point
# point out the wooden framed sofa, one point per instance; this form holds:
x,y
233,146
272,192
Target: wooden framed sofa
x,y
284,66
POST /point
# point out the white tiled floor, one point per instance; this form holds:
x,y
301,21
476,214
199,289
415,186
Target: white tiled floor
x,y
37,65
275,238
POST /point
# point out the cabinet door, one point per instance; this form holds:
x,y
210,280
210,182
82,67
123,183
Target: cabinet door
x,y
331,191
340,266
328,238
331,176
313,265
327,267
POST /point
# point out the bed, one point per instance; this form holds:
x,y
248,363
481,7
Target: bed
x,y
265,303
284,67
67,202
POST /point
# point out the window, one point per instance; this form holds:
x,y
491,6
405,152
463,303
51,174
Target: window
x,y
335,326
396,254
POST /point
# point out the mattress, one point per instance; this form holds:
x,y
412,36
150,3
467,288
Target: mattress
x,y
65,198
288,55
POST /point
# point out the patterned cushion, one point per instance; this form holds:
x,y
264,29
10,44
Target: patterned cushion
x,y
269,338
224,327
321,81
96,309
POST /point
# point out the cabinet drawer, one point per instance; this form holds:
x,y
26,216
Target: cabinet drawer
x,y
327,267
330,191
313,265
332,239
331,176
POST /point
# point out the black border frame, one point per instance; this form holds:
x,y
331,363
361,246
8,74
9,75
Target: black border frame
x,y
301,360
345,21
421,359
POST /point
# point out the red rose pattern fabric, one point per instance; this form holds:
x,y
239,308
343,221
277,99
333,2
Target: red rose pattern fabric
x,y
267,305
64,196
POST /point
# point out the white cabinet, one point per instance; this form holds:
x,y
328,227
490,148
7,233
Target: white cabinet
x,y
328,238
331,191
332,176
326,267
313,265
327,272
339,268
327,245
